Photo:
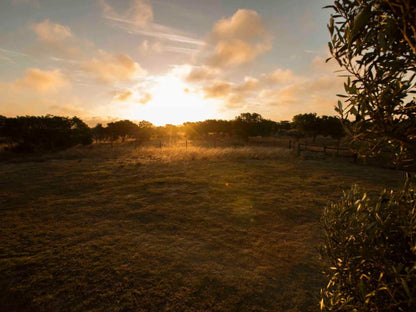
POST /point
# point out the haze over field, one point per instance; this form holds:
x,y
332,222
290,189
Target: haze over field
x,y
165,61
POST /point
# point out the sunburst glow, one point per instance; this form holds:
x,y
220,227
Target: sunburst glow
x,y
172,102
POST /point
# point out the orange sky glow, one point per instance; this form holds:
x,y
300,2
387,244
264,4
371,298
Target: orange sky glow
x,y
167,62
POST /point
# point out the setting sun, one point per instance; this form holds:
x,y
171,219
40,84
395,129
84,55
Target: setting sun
x,y
171,101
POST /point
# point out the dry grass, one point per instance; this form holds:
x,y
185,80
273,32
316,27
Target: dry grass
x,y
124,229
174,154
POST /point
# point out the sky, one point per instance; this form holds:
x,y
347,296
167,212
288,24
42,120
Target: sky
x,y
166,61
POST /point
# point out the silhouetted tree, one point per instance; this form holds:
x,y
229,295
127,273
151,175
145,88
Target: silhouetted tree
x,y
121,129
332,126
49,133
253,124
80,132
144,131
98,132
307,124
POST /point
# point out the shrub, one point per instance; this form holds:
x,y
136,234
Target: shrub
x,y
371,253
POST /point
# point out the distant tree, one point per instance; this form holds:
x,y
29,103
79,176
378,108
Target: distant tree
x,y
332,126
98,132
284,125
80,132
121,129
253,124
50,133
145,131
307,125
249,118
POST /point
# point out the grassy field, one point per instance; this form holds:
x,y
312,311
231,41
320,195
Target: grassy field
x,y
124,229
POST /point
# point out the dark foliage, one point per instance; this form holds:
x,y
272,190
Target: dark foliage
x,y
46,133
370,245
374,42
312,125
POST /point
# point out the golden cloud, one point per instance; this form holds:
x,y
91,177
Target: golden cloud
x,y
51,32
58,39
124,96
244,24
146,98
110,68
279,76
249,84
201,73
309,94
238,39
42,81
217,89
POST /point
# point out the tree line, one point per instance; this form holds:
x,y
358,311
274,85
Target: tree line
x,y
52,133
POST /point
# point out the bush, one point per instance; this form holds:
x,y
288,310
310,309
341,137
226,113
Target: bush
x,y
371,253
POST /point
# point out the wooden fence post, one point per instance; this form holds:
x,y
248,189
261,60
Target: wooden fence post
x,y
298,149
324,149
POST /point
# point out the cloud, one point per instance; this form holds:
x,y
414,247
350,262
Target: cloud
x,y
124,96
249,84
279,76
57,39
140,13
153,47
110,68
316,94
159,47
51,32
238,40
244,24
128,95
5,58
41,81
138,19
201,73
280,91
234,101
217,89
146,98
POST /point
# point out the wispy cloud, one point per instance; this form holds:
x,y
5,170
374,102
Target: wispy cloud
x,y
7,55
5,58
15,53
138,19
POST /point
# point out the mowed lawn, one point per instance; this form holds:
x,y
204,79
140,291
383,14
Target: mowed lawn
x,y
106,229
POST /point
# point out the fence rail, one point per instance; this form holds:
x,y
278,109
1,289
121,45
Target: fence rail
x,y
326,150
